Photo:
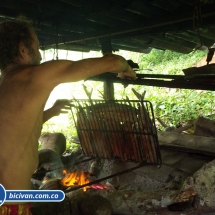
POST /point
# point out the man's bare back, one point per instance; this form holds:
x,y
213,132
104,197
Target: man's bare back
x,y
21,113
25,86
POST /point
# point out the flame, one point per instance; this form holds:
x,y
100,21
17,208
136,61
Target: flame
x,y
80,178
75,179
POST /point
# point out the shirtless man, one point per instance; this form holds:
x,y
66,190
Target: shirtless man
x,y
25,86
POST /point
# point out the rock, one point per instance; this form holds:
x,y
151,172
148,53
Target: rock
x,y
51,208
54,141
91,205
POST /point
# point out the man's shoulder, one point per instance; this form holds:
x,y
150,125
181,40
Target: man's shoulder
x,y
18,70
20,74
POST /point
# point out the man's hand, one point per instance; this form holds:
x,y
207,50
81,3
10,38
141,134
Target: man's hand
x,y
129,73
60,106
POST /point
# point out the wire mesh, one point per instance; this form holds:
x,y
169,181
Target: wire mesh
x,y
122,129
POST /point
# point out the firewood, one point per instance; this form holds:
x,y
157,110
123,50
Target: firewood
x,y
188,143
51,184
183,128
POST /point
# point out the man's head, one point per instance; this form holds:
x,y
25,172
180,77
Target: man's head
x,y
18,44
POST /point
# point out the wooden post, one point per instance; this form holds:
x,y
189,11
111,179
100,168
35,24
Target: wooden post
x,y
108,86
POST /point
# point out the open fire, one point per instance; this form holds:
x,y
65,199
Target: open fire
x,y
78,178
75,178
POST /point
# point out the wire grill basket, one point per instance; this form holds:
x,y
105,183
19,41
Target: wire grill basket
x,y
122,129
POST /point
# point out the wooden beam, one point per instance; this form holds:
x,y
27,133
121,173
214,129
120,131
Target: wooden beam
x,y
183,84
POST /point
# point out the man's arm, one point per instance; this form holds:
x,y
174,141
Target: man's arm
x,y
60,106
62,71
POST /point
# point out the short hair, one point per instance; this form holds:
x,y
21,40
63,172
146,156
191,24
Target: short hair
x,y
11,34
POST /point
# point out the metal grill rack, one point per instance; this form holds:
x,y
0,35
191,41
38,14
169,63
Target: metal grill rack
x,y
112,129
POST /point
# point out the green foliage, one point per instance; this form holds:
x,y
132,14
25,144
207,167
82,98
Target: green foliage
x,y
175,106
168,62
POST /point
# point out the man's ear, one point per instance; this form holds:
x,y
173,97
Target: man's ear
x,y
22,50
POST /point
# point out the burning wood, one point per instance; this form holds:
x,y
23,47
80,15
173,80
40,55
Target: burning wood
x,y
75,178
79,178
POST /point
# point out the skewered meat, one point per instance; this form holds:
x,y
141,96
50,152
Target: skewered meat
x,y
117,130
